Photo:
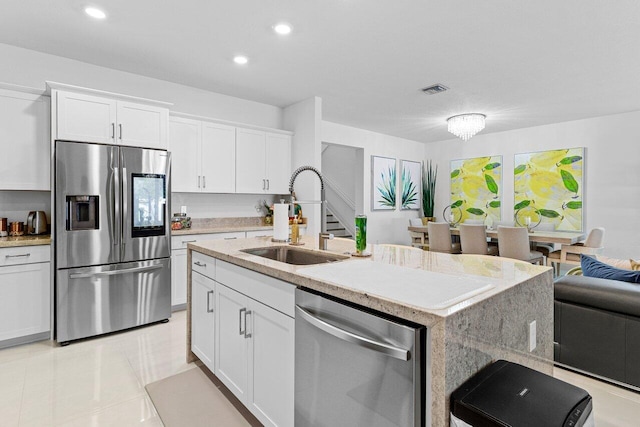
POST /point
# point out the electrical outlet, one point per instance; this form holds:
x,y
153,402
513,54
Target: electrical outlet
x,y
532,336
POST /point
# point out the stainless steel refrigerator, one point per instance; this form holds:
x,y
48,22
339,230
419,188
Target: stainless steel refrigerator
x,y
112,238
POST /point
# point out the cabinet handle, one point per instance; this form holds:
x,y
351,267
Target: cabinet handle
x,y
113,131
198,181
268,184
230,238
204,181
199,264
242,310
246,328
18,256
264,184
120,129
209,309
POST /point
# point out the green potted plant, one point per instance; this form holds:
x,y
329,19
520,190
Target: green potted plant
x,y
429,174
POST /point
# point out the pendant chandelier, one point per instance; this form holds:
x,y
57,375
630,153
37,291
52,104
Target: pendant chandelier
x,y
464,126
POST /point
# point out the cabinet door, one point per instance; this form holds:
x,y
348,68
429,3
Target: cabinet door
x,y
142,125
25,299
202,319
178,277
250,161
184,144
218,158
85,118
231,343
24,141
271,366
278,163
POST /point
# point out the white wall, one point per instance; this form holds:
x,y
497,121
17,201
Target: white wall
x,y
382,226
30,68
612,174
16,205
304,119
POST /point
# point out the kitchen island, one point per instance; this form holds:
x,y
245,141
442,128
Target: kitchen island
x,y
477,309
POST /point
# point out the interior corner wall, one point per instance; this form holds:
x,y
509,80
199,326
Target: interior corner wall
x,y
30,68
611,172
382,226
303,118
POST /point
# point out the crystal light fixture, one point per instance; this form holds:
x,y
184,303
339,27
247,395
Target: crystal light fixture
x,y
464,126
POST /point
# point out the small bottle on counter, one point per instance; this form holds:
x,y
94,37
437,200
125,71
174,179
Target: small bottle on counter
x,y
295,231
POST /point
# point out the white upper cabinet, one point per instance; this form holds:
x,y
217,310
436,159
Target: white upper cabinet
x,y
24,141
184,144
250,165
82,117
263,162
203,156
142,125
278,163
86,117
218,158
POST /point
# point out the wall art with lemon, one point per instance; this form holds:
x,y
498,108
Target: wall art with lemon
x,y
476,189
548,188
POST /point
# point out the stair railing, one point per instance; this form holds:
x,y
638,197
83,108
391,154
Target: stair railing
x,y
346,219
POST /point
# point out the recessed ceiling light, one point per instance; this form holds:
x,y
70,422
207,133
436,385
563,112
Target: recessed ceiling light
x,y
95,13
282,28
240,59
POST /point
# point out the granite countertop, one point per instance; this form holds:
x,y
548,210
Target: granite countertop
x,y
26,240
407,282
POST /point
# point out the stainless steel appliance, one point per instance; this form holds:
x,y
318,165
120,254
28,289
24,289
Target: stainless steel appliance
x,y
37,222
112,238
356,368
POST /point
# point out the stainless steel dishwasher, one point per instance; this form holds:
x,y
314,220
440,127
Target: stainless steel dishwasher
x,y
356,368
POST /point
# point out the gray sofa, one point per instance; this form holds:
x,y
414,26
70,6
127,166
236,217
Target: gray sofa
x,y
597,327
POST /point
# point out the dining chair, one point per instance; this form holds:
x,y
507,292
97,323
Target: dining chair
x,y
440,238
545,248
570,254
513,242
418,239
473,240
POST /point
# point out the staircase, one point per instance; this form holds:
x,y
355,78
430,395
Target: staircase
x,y
335,227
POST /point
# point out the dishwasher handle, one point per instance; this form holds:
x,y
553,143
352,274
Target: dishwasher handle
x,y
389,350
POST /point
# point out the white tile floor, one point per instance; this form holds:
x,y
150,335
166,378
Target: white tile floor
x,y
100,382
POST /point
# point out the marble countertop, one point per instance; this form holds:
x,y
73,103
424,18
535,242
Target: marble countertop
x,y
407,282
26,240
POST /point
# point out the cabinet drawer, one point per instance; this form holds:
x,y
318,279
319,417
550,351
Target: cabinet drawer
x,y
25,255
269,291
180,242
203,264
260,233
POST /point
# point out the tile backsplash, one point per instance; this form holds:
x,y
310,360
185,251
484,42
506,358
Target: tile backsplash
x,y
219,205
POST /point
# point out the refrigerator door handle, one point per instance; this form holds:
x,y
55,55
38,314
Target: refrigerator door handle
x,y
380,347
115,198
115,272
123,202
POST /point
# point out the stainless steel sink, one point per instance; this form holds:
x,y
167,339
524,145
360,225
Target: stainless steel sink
x,y
294,256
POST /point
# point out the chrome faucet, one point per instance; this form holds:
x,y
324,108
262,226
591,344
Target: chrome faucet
x,y
324,235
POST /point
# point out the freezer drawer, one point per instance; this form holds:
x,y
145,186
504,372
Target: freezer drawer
x,y
98,300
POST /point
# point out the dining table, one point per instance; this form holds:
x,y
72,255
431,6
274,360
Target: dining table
x,y
535,236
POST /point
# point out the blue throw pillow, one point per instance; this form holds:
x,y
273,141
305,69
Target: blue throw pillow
x,y
591,267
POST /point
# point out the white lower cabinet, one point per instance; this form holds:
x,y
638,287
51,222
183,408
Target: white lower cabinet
x,y
203,318
25,294
242,329
255,356
179,262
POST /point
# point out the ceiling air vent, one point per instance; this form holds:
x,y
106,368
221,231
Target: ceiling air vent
x,y
433,89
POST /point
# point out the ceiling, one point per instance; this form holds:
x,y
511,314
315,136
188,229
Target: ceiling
x,y
522,63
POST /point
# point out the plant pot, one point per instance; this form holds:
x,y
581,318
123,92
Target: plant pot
x,y
427,219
